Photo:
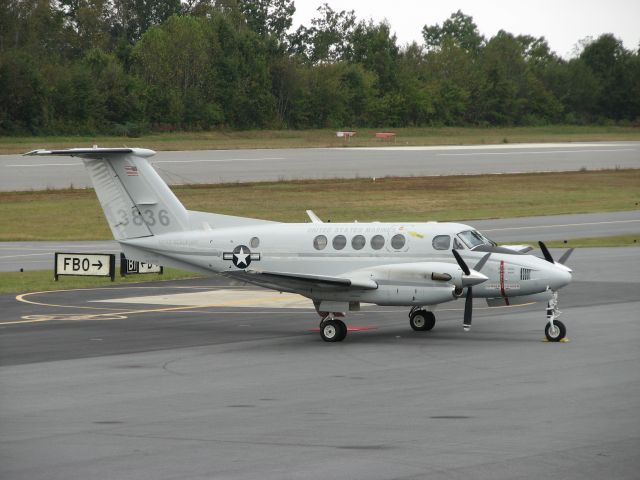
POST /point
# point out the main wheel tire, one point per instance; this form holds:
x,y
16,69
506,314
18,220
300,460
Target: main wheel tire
x,y
333,331
421,321
557,333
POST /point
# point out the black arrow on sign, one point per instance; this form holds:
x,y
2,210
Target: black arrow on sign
x,y
99,264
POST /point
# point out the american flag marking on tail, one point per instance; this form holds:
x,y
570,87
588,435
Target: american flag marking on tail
x,y
131,170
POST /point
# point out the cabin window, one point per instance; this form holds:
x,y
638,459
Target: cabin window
x,y
398,241
377,242
358,242
320,242
255,242
339,242
441,242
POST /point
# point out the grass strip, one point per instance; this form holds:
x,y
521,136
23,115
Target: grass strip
x,y
365,137
75,214
42,280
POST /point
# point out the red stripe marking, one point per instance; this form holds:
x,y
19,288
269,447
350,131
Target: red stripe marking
x,y
350,329
502,292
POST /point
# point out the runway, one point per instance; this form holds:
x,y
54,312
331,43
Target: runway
x,y
218,166
39,255
225,390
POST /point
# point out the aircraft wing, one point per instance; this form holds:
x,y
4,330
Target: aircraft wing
x,y
286,281
519,248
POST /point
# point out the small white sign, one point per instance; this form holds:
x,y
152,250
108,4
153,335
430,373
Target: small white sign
x,y
85,264
128,266
149,268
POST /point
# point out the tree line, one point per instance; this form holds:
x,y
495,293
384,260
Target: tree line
x,y
132,66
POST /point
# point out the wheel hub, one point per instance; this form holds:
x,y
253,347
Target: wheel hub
x,y
330,331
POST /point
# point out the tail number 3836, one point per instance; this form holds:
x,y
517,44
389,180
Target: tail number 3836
x,y
144,216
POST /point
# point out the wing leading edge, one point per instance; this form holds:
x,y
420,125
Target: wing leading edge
x,y
294,281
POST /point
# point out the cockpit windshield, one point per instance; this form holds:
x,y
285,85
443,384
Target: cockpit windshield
x,y
473,238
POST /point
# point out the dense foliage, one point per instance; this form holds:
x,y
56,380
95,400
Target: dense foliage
x,y
126,66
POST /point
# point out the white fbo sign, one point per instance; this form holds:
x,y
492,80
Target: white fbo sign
x,y
128,267
85,264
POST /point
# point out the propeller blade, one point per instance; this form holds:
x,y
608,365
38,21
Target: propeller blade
x,y
545,252
565,256
460,261
481,263
468,309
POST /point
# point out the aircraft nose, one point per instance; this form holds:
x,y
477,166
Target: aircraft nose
x,y
559,276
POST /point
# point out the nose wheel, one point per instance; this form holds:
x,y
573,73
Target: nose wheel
x,y
421,320
555,329
333,330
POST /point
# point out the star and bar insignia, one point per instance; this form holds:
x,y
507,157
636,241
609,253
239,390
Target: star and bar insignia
x,y
241,256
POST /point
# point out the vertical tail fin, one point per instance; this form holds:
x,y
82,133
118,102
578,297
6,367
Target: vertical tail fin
x,y
135,200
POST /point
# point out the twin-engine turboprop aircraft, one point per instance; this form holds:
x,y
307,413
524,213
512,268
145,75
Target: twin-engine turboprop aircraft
x,y
336,265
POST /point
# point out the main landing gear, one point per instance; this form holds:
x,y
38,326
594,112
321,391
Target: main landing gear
x,y
421,320
555,330
333,330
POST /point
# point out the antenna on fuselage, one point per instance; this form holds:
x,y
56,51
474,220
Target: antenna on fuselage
x,y
314,218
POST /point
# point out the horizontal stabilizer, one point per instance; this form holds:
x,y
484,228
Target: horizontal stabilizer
x,y
96,152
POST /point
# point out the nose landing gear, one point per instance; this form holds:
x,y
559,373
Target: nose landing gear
x,y
555,330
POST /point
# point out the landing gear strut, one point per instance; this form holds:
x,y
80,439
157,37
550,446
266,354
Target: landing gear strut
x,y
555,329
421,320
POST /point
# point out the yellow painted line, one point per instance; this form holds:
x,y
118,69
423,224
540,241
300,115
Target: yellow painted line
x,y
120,314
22,297
114,313
97,316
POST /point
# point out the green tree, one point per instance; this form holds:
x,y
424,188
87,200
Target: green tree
x,y
327,40
134,17
613,66
374,47
174,60
22,94
454,80
512,94
268,17
89,24
241,83
459,29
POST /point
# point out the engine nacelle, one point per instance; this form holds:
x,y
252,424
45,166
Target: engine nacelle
x,y
403,295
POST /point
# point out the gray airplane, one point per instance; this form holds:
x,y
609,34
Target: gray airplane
x,y
336,265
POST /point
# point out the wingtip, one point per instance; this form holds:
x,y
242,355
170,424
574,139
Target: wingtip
x,y
32,152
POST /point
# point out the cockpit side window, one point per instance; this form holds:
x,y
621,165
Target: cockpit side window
x,y
441,242
473,238
457,244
